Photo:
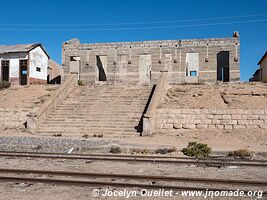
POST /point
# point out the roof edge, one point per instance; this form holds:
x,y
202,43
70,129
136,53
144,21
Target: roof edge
x,y
262,58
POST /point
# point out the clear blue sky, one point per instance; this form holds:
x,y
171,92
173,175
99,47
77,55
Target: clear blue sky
x,y
52,22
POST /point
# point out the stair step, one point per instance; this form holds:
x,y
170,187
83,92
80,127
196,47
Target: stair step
x,y
109,109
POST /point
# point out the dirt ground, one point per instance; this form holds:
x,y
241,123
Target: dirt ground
x,y
217,96
29,96
44,191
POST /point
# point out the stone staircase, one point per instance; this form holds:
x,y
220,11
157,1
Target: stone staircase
x,y
108,110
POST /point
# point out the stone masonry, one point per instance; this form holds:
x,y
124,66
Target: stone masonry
x,y
193,60
12,118
169,119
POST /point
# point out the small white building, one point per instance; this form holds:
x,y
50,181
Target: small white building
x,y
23,64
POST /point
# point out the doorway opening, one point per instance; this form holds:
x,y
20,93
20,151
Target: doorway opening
x,y
223,72
101,63
145,69
23,72
5,70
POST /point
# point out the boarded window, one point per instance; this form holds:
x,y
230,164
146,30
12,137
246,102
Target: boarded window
x,y
192,63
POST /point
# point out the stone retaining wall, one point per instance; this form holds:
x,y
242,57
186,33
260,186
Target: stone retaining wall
x,y
12,118
167,119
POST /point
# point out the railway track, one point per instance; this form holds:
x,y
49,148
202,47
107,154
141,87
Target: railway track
x,y
96,179
213,161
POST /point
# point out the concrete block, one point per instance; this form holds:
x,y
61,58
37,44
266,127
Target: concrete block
x,y
177,126
219,126
226,117
189,126
238,126
263,117
201,126
211,126
235,116
218,116
205,121
244,116
215,121
252,126
260,112
253,117
228,127
247,112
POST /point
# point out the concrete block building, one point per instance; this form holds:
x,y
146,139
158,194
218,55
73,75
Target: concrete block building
x,y
23,64
193,60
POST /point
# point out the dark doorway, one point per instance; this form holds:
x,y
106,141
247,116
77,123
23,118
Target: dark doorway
x,y
101,63
5,70
223,72
23,72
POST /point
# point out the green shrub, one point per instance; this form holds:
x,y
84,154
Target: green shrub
x,y
195,149
240,153
4,85
80,82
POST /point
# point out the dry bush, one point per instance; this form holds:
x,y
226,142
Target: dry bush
x,y
4,85
240,153
165,150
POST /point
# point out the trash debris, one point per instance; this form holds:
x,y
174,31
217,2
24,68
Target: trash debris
x,y
70,150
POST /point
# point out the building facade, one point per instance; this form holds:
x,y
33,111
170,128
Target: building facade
x,y
263,68
195,60
23,64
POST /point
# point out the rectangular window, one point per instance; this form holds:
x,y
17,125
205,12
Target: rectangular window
x,y
38,69
5,63
23,63
193,73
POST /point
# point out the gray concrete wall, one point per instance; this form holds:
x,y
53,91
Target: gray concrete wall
x,y
165,54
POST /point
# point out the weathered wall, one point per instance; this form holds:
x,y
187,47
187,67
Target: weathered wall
x,y
13,65
12,118
55,70
263,67
38,58
169,119
165,54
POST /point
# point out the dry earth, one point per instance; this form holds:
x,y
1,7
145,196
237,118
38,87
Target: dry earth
x,y
217,96
43,191
29,96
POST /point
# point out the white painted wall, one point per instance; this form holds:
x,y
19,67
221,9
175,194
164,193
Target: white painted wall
x,y
38,58
13,63
192,62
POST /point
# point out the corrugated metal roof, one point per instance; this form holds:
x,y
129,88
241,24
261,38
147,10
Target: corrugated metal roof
x,y
17,48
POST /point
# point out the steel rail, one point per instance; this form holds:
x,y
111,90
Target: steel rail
x,y
141,156
136,159
133,177
104,183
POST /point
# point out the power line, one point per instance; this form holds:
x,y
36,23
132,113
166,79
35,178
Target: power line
x,y
142,23
135,28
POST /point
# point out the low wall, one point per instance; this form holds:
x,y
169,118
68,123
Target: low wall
x,y
36,118
12,118
159,92
167,119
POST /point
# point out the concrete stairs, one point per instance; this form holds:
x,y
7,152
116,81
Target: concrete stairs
x,y
108,110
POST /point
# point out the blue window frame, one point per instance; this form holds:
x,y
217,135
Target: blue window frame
x,y
193,73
